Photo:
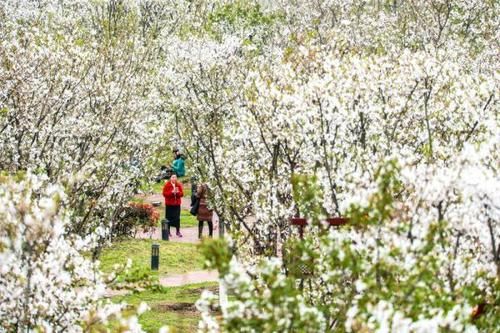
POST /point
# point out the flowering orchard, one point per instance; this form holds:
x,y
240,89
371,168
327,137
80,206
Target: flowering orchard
x,y
385,112
46,282
78,99
79,110
382,111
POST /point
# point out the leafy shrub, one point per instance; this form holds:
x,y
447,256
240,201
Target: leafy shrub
x,y
133,217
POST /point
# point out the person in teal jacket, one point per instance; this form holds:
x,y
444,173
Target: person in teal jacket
x,y
178,165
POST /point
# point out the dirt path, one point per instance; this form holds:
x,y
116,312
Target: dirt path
x,y
176,280
189,235
189,278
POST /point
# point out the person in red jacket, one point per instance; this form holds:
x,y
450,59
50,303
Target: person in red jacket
x,y
172,192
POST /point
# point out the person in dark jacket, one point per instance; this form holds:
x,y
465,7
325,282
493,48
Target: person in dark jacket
x,y
173,192
204,214
194,187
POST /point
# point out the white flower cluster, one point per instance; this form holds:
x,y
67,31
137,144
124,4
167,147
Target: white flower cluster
x,y
385,110
335,90
270,303
46,283
78,100
254,121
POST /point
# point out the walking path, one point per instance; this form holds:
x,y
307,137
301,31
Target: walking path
x,y
190,235
189,278
176,280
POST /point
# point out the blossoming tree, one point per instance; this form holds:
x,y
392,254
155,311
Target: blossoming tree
x,y
47,283
382,111
336,91
77,109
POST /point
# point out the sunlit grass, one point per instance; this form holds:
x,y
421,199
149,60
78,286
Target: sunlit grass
x,y
175,257
173,306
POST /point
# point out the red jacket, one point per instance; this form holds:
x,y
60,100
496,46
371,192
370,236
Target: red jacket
x,y
171,198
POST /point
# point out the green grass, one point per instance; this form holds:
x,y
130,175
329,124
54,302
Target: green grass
x,y
172,306
175,258
187,191
187,220
157,187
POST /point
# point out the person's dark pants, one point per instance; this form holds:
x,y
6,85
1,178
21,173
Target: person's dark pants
x,y
173,215
210,228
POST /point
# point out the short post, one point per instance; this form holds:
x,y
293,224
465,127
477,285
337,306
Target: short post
x,y
221,228
164,230
155,257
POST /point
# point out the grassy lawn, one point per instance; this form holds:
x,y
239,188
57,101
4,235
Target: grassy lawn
x,y
173,306
187,220
174,257
168,306
157,187
137,199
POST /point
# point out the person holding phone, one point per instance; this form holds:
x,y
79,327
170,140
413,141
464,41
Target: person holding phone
x,y
173,192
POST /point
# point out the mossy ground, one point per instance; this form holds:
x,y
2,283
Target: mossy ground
x,y
174,307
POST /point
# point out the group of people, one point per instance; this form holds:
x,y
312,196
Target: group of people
x,y
173,192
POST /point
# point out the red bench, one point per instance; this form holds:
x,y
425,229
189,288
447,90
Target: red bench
x,y
302,222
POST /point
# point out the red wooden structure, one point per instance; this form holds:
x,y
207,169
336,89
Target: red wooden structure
x,y
302,222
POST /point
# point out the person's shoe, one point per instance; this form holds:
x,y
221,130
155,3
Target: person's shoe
x,y
179,234
169,235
